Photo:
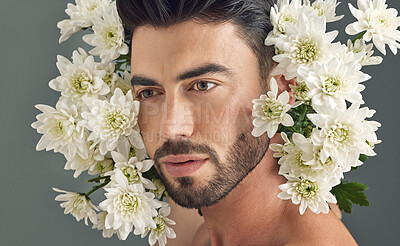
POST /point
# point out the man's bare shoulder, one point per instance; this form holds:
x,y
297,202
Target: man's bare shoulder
x,y
320,230
311,234
326,241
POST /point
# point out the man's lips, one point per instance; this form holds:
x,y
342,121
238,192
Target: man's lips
x,y
183,165
175,159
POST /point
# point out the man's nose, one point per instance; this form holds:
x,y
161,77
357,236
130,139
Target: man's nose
x,y
177,119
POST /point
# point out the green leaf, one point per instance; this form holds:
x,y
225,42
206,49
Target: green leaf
x,y
151,174
350,192
199,211
363,158
359,37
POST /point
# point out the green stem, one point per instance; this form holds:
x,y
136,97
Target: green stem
x,y
359,37
293,129
97,187
304,113
97,179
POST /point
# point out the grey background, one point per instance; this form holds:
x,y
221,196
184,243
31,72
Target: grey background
x,y
29,214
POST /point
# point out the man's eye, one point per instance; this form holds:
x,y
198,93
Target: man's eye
x,y
146,94
203,85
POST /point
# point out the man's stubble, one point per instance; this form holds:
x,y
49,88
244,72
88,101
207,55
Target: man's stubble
x,y
241,158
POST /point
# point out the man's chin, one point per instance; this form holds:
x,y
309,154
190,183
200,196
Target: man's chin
x,y
186,192
189,192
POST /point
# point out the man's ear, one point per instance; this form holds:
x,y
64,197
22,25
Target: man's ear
x,y
283,85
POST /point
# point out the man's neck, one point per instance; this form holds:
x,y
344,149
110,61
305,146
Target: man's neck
x,y
252,214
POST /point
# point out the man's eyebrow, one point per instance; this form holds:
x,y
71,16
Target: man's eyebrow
x,y
195,72
207,68
144,81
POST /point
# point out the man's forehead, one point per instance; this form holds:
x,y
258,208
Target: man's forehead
x,y
188,30
183,47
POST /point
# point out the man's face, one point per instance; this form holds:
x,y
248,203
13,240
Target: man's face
x,y
195,84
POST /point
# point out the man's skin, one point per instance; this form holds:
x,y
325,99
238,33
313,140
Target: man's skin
x,y
251,214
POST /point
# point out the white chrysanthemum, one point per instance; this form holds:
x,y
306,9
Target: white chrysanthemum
x,y
101,167
160,191
77,205
270,111
124,83
133,169
279,149
83,13
140,154
293,162
129,205
327,169
282,13
326,8
379,24
303,160
371,127
80,164
334,82
83,54
300,91
125,148
100,225
359,47
309,193
112,121
108,37
342,52
67,29
81,16
79,78
111,77
344,134
304,44
61,131
163,231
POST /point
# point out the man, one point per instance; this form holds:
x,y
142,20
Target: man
x,y
196,67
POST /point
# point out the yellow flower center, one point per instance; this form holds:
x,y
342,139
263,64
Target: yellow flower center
x,y
160,224
273,110
332,85
287,17
306,51
339,134
131,173
381,20
127,203
301,91
60,127
116,120
319,9
307,188
81,82
112,36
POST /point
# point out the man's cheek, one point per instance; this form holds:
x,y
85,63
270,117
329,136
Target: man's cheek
x,y
148,114
151,139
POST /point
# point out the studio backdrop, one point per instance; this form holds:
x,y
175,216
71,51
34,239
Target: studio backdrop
x,y
30,216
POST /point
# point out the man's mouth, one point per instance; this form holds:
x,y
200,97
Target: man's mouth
x,y
183,165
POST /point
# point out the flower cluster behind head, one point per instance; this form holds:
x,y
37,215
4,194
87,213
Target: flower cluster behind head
x,y
326,131
94,125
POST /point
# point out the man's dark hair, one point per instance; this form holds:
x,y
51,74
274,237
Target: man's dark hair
x,y
251,16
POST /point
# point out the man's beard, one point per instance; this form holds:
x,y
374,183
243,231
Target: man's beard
x,y
242,157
